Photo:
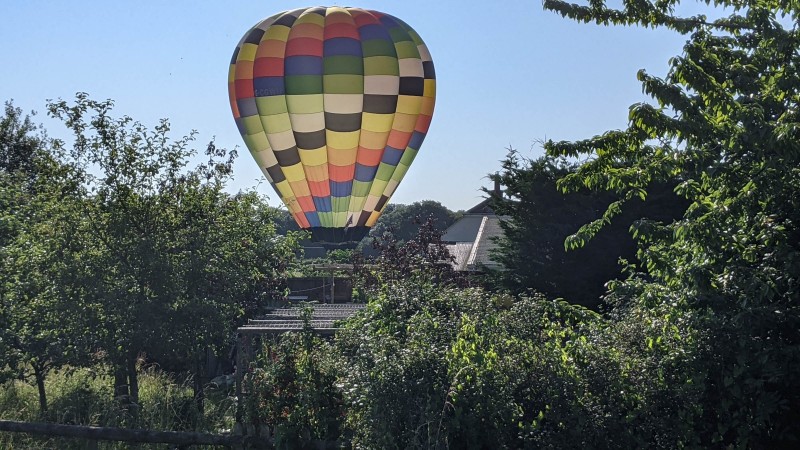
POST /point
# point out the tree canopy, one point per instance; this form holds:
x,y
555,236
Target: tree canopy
x,y
119,247
539,218
19,141
404,221
725,128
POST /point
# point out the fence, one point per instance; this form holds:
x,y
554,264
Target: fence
x,y
181,439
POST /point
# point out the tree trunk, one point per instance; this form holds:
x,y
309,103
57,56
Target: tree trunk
x,y
133,387
133,380
199,395
120,383
39,372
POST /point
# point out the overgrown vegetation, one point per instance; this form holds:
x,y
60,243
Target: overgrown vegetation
x,y
83,396
115,249
292,390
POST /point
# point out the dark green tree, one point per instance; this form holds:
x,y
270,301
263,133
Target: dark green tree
x,y
20,141
404,221
725,126
284,222
540,218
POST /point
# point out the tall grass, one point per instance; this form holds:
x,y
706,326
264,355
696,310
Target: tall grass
x,y
84,397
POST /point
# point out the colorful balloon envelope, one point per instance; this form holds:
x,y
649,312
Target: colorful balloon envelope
x,y
333,103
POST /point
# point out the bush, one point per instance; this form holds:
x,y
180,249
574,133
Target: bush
x,y
292,392
428,367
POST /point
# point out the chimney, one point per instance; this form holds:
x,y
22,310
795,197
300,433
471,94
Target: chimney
x,y
497,190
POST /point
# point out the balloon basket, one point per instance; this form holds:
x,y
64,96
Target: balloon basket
x,y
338,238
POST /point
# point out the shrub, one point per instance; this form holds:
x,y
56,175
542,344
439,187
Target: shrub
x,y
292,392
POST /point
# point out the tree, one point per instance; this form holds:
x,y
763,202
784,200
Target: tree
x,y
403,221
19,141
424,256
540,218
284,222
175,260
21,146
225,261
41,257
47,324
725,127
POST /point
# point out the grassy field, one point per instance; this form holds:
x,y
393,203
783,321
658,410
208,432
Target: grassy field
x,y
84,397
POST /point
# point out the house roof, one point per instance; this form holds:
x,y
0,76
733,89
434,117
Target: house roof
x,y
471,240
483,207
460,252
464,229
484,244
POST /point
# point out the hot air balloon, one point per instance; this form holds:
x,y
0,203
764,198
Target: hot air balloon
x,y
333,103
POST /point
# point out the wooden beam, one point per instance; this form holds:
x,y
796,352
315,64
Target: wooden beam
x,y
120,434
279,330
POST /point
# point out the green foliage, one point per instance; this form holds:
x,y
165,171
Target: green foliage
x,y
540,218
340,256
426,367
175,260
404,221
724,127
394,371
83,397
292,390
431,367
41,257
20,141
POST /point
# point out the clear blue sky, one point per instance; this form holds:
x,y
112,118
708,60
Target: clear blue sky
x,y
508,74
